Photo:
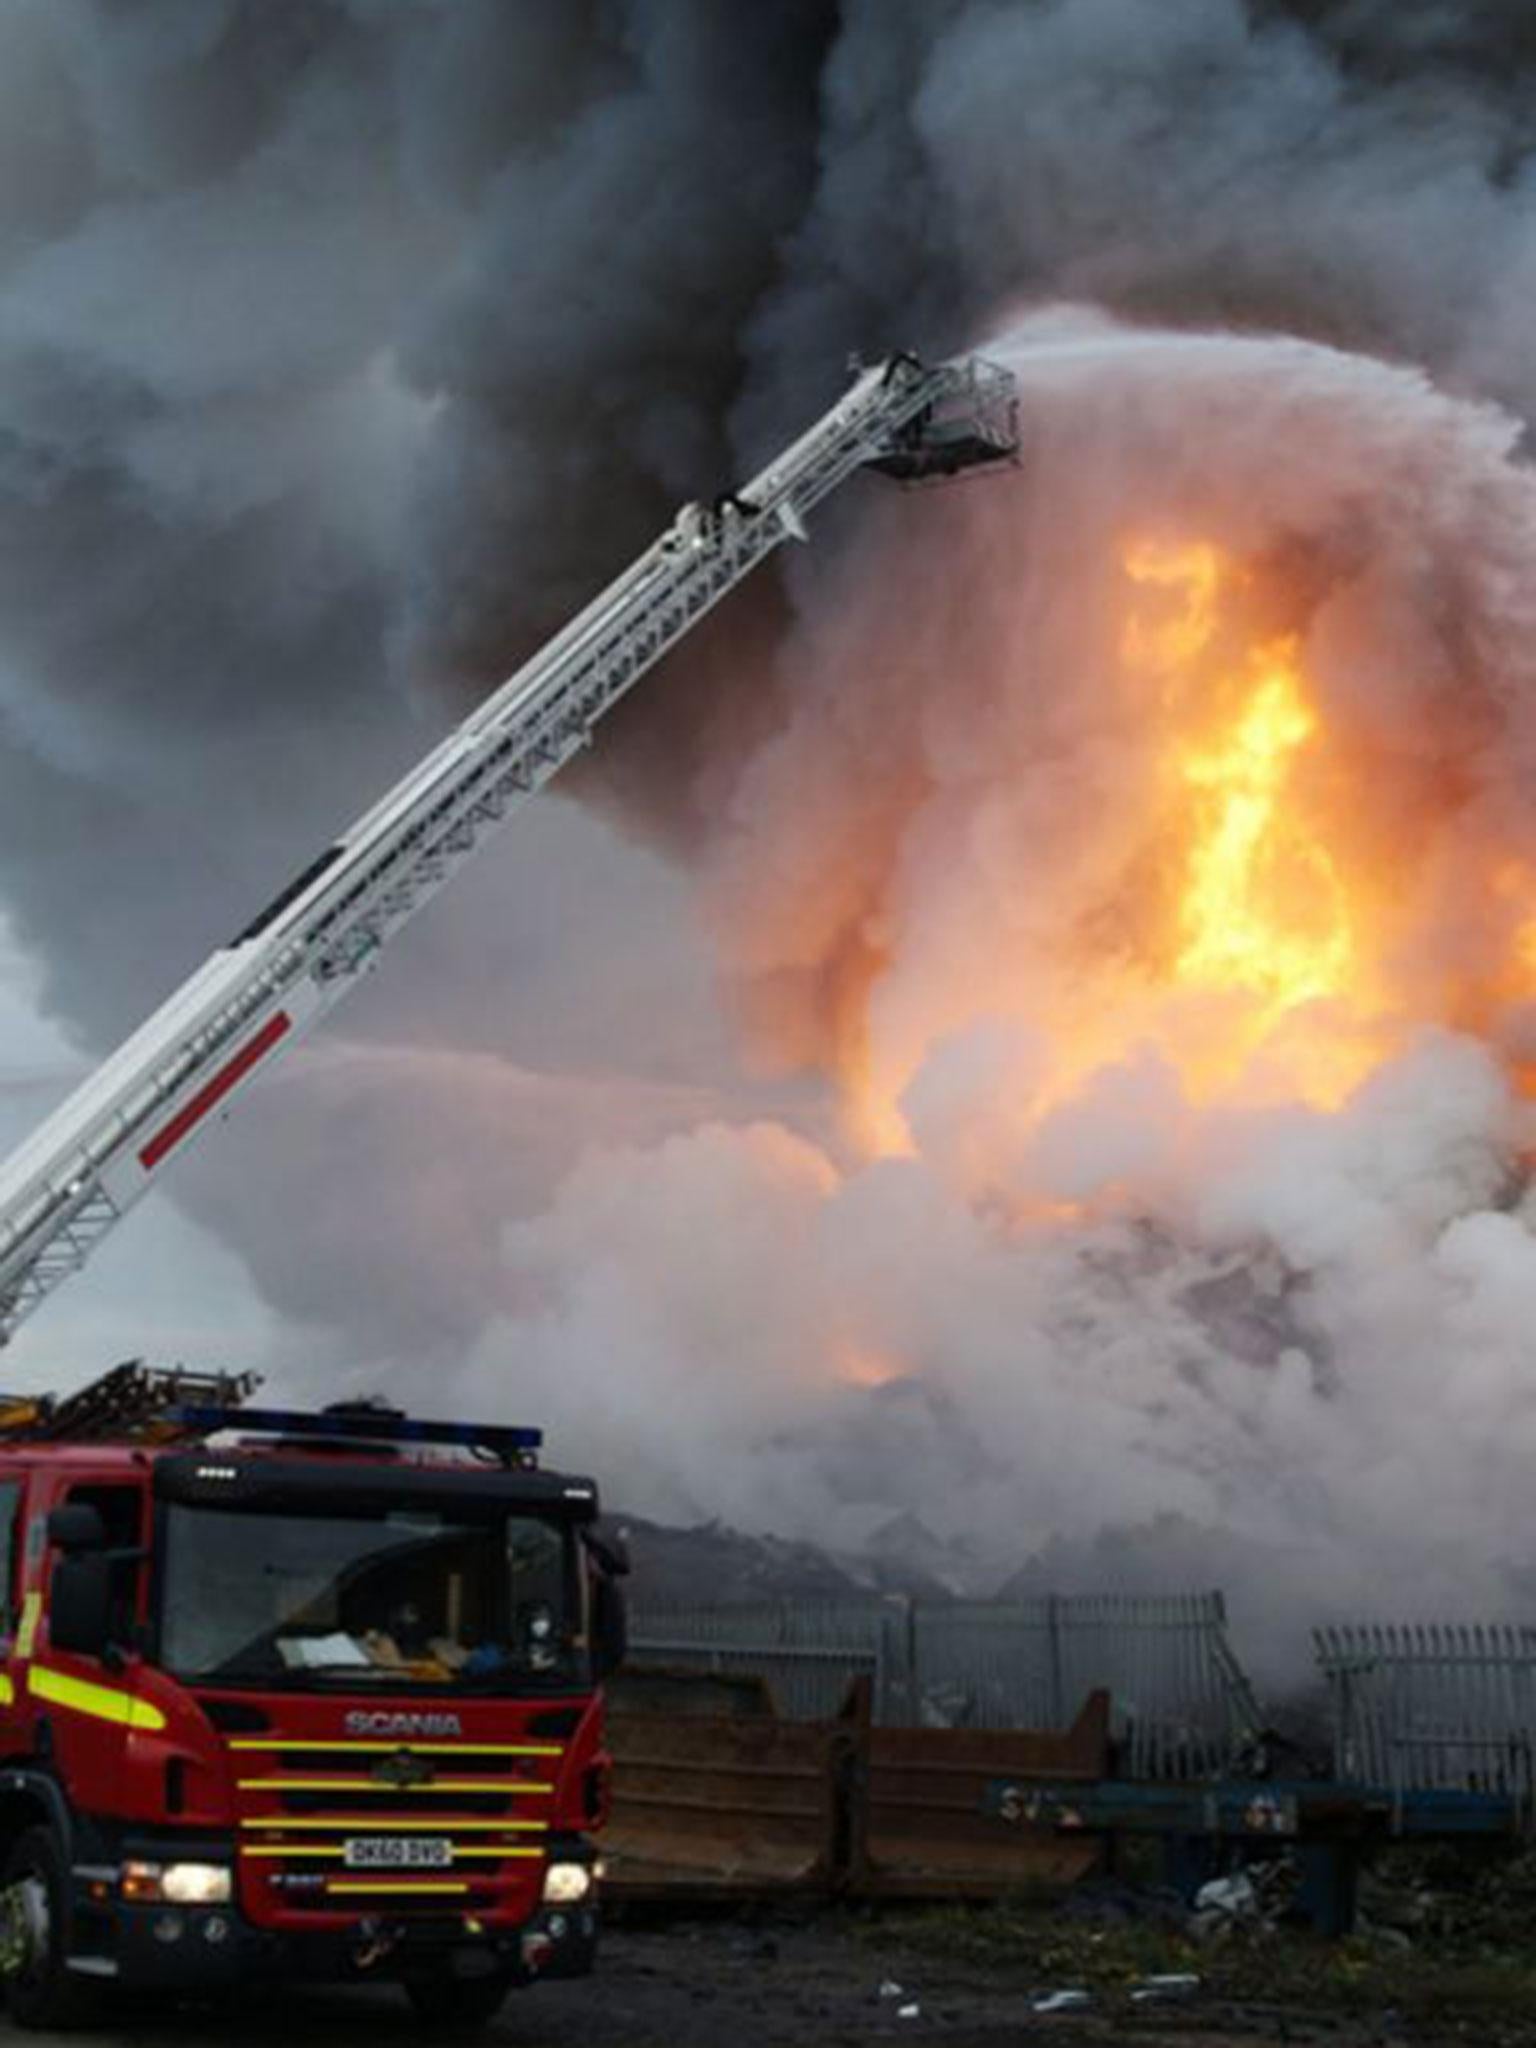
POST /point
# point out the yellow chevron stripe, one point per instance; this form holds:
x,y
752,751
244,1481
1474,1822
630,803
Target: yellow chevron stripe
x,y
389,1823
100,1702
507,1786
26,1631
294,1849
7,1692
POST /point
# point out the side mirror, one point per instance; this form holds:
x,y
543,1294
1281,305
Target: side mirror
x,y
80,1599
609,1549
77,1527
610,1627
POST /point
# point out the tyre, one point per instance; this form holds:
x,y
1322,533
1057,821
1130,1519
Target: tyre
x,y
456,2005
41,1992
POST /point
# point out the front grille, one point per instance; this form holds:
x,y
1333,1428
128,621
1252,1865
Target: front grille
x,y
426,1800
300,1802
457,1760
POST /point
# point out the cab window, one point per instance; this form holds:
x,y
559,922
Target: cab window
x,y
121,1509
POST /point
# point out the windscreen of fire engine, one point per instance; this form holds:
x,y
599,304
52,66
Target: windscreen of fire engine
x,y
400,1599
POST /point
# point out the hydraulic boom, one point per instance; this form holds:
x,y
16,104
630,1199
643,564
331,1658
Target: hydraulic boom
x,y
63,1190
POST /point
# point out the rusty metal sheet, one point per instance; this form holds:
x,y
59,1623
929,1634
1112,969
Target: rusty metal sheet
x,y
918,1829
748,1806
675,1689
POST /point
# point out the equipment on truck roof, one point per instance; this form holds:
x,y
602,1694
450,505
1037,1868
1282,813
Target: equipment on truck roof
x,y
132,1401
362,1422
135,1403
62,1190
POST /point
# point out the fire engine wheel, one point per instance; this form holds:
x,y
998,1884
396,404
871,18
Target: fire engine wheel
x,y
34,1917
456,2005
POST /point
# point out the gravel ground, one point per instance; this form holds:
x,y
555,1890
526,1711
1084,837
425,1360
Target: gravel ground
x,y
721,1985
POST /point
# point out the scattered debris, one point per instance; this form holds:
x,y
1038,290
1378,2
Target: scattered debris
x,y
1074,1999
1167,1988
1254,1899
1235,1896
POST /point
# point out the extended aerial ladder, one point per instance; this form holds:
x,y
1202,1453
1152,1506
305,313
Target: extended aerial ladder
x,y
88,1163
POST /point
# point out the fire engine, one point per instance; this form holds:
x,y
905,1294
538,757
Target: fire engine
x,y
319,1694
294,1695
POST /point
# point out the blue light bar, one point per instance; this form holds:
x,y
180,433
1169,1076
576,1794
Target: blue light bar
x,y
360,1424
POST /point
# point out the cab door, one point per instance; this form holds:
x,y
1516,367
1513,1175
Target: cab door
x,y
83,1705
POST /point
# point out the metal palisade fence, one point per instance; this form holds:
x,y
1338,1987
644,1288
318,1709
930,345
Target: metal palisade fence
x,y
1182,1707
1426,1705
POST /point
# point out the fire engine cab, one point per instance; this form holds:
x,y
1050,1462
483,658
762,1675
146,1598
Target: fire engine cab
x,y
293,1696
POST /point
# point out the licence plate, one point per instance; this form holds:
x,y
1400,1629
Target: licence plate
x,y
392,1852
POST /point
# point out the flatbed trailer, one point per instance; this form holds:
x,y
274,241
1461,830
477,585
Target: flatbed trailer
x,y
1330,1826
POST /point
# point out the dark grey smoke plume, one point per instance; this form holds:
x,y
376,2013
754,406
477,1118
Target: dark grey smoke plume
x,y
344,346
343,349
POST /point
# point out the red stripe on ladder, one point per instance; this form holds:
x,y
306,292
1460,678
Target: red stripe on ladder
x,y
213,1092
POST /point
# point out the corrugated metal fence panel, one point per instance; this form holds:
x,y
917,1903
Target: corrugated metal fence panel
x,y
809,1653
792,1623
1181,1703
1425,1705
1169,1669
989,1666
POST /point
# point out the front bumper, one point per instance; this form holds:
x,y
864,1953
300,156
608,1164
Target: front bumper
x,y
210,1948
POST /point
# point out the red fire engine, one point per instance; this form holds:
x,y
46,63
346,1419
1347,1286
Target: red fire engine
x,y
292,1696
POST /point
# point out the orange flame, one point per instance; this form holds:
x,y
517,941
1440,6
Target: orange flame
x,y
1264,919
1248,922
861,1364
1251,973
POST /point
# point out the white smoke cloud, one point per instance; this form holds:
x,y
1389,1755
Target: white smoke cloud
x,y
683,1305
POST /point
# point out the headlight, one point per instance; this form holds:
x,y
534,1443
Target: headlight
x,y
180,1884
567,1884
197,1884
